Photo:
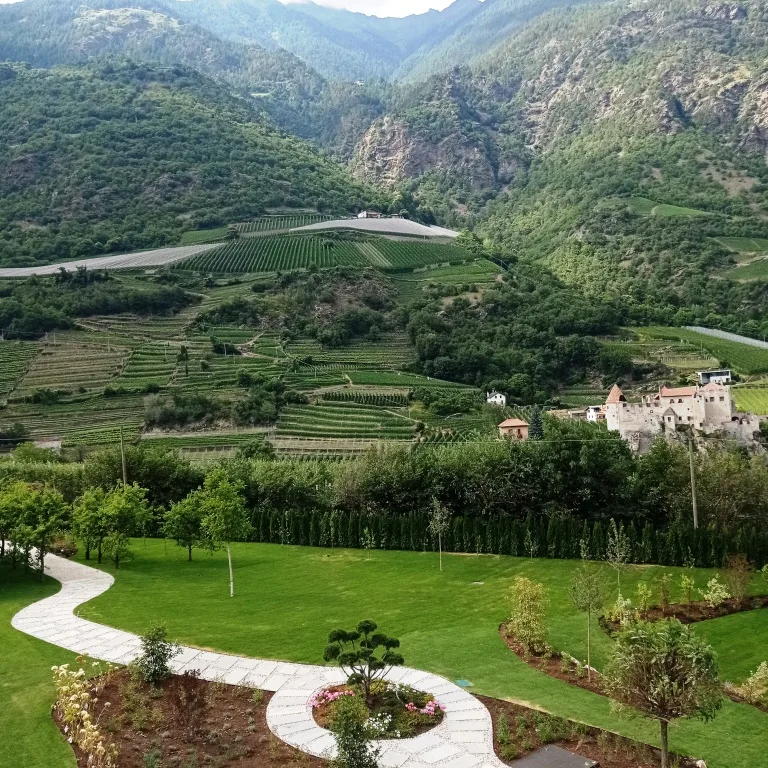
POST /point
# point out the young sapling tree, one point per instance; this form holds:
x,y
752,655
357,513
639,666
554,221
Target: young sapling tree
x,y
618,550
224,516
588,596
439,520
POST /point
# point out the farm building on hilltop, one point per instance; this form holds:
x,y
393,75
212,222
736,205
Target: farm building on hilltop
x,y
708,409
495,398
369,215
517,429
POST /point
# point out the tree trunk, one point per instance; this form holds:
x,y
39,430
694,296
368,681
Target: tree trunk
x,y
99,558
589,659
663,724
87,551
189,549
231,579
41,555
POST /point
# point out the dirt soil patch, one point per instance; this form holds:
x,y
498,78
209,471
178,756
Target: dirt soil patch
x,y
231,730
519,731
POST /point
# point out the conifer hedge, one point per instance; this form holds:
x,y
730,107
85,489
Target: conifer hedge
x,y
558,537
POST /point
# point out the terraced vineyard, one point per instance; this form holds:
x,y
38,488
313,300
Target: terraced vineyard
x,y
345,420
741,357
14,358
478,273
744,244
90,421
397,379
402,256
273,223
645,207
151,363
391,350
285,252
754,270
71,366
203,236
270,254
140,328
751,399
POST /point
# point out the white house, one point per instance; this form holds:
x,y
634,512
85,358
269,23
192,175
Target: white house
x,y
369,215
721,376
495,398
595,413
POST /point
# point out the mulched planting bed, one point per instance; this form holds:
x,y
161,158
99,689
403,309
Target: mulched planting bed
x,y
554,664
152,728
690,613
519,731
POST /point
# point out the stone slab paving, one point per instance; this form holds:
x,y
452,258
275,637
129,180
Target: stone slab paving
x,y
464,739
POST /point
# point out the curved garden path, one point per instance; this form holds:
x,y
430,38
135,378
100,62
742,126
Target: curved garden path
x,y
464,739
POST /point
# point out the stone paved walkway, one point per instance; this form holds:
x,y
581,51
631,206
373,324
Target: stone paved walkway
x,y
462,740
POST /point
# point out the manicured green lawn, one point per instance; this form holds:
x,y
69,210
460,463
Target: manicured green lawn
x,y
741,641
288,598
28,736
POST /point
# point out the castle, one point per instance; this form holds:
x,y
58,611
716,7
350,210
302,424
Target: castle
x,y
708,409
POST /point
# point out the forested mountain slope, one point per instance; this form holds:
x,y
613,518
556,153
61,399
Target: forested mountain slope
x,y
578,126
117,157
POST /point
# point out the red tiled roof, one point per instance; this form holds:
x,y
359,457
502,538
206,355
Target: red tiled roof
x,y
514,423
677,391
616,395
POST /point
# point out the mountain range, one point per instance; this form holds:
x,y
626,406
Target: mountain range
x,y
541,125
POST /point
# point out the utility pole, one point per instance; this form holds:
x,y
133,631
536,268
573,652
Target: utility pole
x,y
122,458
693,485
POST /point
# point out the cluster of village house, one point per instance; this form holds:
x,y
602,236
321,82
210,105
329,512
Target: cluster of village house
x,y
707,407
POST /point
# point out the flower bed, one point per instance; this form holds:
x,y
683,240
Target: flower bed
x,y
392,711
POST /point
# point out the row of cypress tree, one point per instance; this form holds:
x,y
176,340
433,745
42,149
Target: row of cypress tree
x,y
556,537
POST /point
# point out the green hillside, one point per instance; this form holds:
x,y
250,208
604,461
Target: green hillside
x,y
132,155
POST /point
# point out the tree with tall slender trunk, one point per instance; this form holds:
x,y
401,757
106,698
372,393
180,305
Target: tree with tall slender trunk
x,y
439,520
224,516
588,596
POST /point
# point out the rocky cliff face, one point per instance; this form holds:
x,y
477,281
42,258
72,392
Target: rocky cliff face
x,y
655,66
389,153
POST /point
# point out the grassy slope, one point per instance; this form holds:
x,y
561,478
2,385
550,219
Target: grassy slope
x,y
287,599
28,736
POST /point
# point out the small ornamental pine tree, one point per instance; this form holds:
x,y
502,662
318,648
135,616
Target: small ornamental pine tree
x,y
355,653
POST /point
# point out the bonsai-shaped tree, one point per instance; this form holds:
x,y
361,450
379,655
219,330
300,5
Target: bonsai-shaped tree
x,y
666,672
355,653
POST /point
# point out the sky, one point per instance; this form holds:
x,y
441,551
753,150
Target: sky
x,y
372,7
382,7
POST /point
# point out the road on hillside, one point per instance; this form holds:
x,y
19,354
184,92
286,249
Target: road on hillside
x,y
156,258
